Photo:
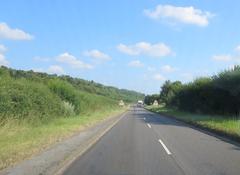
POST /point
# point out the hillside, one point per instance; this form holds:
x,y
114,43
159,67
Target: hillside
x,y
35,96
38,110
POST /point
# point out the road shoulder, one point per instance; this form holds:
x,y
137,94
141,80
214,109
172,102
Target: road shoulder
x,y
55,159
230,138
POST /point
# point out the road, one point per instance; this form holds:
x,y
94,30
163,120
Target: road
x,y
144,143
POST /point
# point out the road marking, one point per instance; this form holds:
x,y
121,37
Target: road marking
x,y
149,125
164,146
66,164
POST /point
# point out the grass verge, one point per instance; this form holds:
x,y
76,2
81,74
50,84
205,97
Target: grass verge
x,y
19,141
228,127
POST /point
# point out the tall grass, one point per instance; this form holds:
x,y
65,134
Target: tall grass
x,y
19,141
229,125
27,100
37,110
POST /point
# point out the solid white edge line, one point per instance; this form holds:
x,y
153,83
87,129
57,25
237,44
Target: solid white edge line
x,y
164,146
149,125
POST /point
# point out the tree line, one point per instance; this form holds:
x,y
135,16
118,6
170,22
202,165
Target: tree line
x,y
128,96
219,94
39,97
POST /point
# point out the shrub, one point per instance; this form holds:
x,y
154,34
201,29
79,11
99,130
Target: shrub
x,y
219,94
22,99
66,92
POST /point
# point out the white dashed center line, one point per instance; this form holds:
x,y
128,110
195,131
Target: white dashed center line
x,y
160,141
164,146
149,125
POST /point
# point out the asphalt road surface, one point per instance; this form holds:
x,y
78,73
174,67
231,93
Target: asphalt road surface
x,y
144,143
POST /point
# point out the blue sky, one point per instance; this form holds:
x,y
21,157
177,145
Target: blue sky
x,y
128,44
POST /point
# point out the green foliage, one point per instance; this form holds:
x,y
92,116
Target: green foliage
x,y
149,99
219,94
228,125
21,99
30,96
169,90
66,92
80,84
108,91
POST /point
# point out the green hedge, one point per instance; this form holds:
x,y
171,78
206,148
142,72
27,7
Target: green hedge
x,y
219,94
36,97
22,99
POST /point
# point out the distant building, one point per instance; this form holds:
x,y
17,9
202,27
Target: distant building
x,y
155,103
121,103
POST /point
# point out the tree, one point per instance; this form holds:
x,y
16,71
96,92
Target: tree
x,y
149,99
169,90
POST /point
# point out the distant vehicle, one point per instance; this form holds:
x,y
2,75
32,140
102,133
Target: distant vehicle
x,y
139,103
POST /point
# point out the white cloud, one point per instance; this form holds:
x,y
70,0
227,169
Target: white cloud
x,y
3,61
13,34
232,57
187,15
73,61
55,69
2,48
97,54
224,58
127,49
159,77
135,63
168,69
145,48
237,49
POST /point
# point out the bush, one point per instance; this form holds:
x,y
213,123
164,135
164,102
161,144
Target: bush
x,y
66,92
219,94
31,96
149,99
22,99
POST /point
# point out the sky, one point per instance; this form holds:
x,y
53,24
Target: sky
x,y
135,44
